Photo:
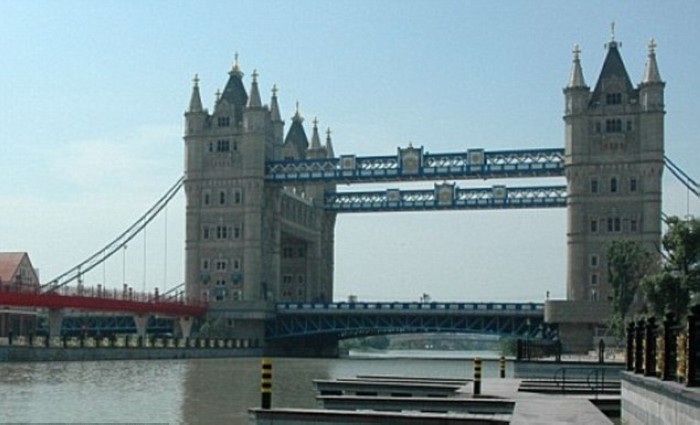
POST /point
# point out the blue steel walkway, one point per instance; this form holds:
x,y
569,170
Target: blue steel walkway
x,y
349,320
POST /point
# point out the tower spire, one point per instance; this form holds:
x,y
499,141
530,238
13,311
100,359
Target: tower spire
x,y
576,78
651,70
329,145
195,99
315,140
274,106
254,99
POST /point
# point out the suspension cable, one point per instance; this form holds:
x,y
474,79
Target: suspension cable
x,y
111,248
684,178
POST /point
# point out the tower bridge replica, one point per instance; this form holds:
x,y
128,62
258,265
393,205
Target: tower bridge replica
x,y
262,204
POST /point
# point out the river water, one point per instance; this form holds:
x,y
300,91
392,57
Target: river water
x,y
195,391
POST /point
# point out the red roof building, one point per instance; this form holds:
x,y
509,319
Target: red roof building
x,y
17,273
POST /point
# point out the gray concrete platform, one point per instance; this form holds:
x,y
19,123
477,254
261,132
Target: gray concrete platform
x,y
529,409
535,408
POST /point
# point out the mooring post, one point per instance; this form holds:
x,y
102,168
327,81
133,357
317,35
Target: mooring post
x,y
502,366
266,384
477,375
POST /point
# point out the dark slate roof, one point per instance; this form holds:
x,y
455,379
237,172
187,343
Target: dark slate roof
x,y
234,92
613,67
297,135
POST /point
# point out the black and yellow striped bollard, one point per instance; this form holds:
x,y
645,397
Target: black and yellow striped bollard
x,y
266,384
477,375
502,366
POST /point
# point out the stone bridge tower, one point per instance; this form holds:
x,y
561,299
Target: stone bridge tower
x,y
250,244
614,162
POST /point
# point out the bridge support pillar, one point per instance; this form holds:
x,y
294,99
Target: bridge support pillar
x,y
55,323
140,321
185,326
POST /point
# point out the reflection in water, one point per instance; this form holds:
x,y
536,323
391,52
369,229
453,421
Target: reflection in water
x,y
201,391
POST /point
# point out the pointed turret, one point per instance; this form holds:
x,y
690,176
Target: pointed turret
x,y
276,118
651,70
195,100
275,115
576,91
329,145
315,139
254,101
296,136
576,78
651,89
195,114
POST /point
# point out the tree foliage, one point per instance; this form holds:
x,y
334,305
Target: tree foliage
x,y
628,262
678,283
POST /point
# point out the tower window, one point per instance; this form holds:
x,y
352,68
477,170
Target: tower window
x,y
616,224
205,232
221,264
613,185
236,264
205,264
207,197
237,196
236,232
594,185
633,185
594,295
221,232
594,226
211,147
223,146
633,225
223,121
222,197
613,98
629,125
594,260
597,127
594,278
613,126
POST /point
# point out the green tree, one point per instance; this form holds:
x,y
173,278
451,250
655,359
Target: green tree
x,y
628,262
678,283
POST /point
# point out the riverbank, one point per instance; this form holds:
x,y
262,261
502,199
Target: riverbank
x,y
56,354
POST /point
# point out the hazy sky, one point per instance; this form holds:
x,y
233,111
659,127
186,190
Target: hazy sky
x,y
92,96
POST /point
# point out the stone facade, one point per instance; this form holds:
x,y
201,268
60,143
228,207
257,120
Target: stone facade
x,y
249,243
614,152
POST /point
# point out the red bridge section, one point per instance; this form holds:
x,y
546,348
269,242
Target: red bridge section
x,y
99,299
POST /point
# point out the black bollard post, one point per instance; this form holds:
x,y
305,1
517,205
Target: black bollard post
x,y
139,341
47,341
601,351
9,337
266,384
502,366
650,347
639,347
477,376
30,342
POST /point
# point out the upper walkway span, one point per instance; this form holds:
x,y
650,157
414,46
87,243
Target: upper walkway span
x,y
415,164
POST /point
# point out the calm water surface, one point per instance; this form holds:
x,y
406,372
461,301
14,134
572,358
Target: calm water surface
x,y
206,391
